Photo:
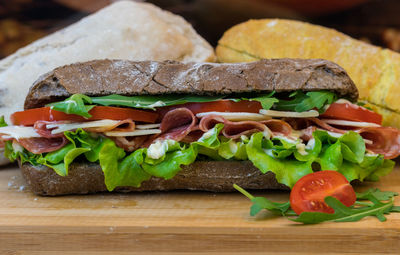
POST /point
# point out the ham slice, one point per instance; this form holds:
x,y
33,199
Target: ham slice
x,y
385,140
42,130
177,124
236,129
39,145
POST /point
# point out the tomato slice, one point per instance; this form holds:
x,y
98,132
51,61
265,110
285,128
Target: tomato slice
x,y
216,106
309,192
29,117
353,112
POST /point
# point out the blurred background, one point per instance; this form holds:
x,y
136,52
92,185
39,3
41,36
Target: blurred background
x,y
374,21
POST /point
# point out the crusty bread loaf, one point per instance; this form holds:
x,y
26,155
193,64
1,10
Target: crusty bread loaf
x,y
217,176
375,71
123,77
123,30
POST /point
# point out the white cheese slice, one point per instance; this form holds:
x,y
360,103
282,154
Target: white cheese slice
x,y
350,123
18,132
272,113
133,133
148,126
60,128
236,116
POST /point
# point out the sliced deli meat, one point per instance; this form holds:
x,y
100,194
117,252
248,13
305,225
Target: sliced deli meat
x,y
177,124
235,130
39,145
385,140
41,128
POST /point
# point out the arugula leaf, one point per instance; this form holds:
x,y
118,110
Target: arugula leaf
x,y
151,102
260,203
80,104
303,102
380,195
266,100
374,207
347,214
316,99
75,104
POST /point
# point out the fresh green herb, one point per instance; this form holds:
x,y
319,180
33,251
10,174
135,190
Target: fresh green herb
x,y
81,105
374,207
75,104
380,195
370,203
151,102
260,203
266,100
301,102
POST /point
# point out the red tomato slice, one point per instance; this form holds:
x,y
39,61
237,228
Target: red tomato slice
x,y
353,112
216,106
29,117
309,192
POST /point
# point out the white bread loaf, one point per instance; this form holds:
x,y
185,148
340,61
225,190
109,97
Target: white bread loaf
x,y
123,30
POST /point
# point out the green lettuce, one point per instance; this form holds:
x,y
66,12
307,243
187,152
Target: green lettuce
x,y
288,159
287,171
75,104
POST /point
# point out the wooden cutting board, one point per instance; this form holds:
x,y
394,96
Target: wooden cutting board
x,y
176,222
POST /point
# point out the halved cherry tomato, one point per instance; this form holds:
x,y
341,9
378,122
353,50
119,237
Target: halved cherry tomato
x,y
349,111
29,117
309,192
216,106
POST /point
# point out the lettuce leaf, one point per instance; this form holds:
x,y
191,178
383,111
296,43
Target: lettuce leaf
x,y
75,104
288,159
286,171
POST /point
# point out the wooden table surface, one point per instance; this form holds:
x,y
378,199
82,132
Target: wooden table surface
x,y
176,222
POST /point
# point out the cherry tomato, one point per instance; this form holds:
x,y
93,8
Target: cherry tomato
x,y
309,192
29,117
353,112
217,106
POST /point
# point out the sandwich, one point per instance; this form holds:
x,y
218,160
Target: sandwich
x,y
118,125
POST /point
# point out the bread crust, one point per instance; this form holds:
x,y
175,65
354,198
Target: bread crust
x,y
216,176
123,77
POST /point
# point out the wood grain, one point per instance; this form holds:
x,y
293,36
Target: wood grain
x,y
176,222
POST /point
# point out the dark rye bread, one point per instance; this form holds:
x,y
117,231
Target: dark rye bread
x,y
217,176
123,77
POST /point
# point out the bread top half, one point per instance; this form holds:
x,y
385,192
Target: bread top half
x,y
123,77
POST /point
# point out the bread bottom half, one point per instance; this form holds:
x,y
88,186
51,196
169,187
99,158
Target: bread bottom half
x,y
215,176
